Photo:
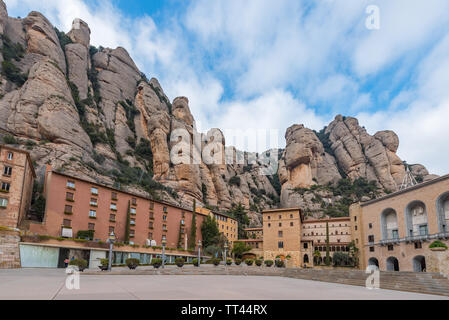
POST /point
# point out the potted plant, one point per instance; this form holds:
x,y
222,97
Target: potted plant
x,y
258,262
195,262
132,263
280,264
104,264
216,261
437,245
268,263
180,262
229,262
249,262
237,261
80,263
156,262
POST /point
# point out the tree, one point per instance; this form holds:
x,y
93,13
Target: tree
x,y
192,239
128,223
179,245
341,259
210,232
354,253
238,212
317,257
328,262
239,248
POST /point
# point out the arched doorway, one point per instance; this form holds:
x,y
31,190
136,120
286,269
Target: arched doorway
x,y
416,219
389,224
419,264
392,264
373,262
443,212
306,258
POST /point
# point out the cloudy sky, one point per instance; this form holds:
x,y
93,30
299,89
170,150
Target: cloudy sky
x,y
266,64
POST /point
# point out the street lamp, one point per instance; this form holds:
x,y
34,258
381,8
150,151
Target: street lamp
x,y
111,244
225,257
164,242
199,252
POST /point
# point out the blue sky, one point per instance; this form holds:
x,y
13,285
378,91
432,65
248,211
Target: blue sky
x,y
270,64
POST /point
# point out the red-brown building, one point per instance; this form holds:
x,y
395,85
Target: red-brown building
x,y
74,205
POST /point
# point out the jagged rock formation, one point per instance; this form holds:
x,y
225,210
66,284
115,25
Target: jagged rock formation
x,y
90,112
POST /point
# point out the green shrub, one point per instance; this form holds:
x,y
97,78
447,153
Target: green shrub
x,y
249,262
195,262
104,262
132,263
268,263
238,261
216,261
85,234
280,264
9,139
258,262
229,262
180,262
437,244
157,262
80,263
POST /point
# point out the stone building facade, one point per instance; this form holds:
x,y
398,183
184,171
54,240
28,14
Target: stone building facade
x,y
394,232
286,235
227,226
16,187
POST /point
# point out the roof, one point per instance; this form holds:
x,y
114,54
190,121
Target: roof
x,y
410,189
281,210
25,153
122,191
254,229
327,220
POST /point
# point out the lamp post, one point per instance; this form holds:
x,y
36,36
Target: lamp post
x,y
199,253
111,244
164,242
225,256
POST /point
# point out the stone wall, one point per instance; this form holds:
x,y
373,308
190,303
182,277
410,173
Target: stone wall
x,y
9,249
438,261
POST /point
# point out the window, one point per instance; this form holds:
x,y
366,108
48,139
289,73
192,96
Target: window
x,y
150,235
151,205
281,244
131,233
423,230
183,222
165,209
280,224
164,237
112,217
395,234
280,217
280,234
134,201
113,206
164,227
291,216
133,222
92,213
5,187
390,247
68,209
93,202
291,224
418,245
164,218
94,190
269,217
114,195
71,184
355,218
183,214
151,225
306,245
371,238
3,202
151,215
69,196
133,210
91,226
10,155
7,171
111,230
355,228
371,249
370,225
67,223
269,225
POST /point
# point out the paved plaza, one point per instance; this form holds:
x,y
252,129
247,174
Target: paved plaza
x,y
47,284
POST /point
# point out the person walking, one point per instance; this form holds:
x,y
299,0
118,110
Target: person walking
x,y
66,262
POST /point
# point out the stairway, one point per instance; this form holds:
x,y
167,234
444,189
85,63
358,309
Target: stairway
x,y
429,283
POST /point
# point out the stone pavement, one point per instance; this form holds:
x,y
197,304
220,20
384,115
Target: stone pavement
x,y
46,284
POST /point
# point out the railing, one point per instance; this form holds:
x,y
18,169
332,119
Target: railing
x,y
415,236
